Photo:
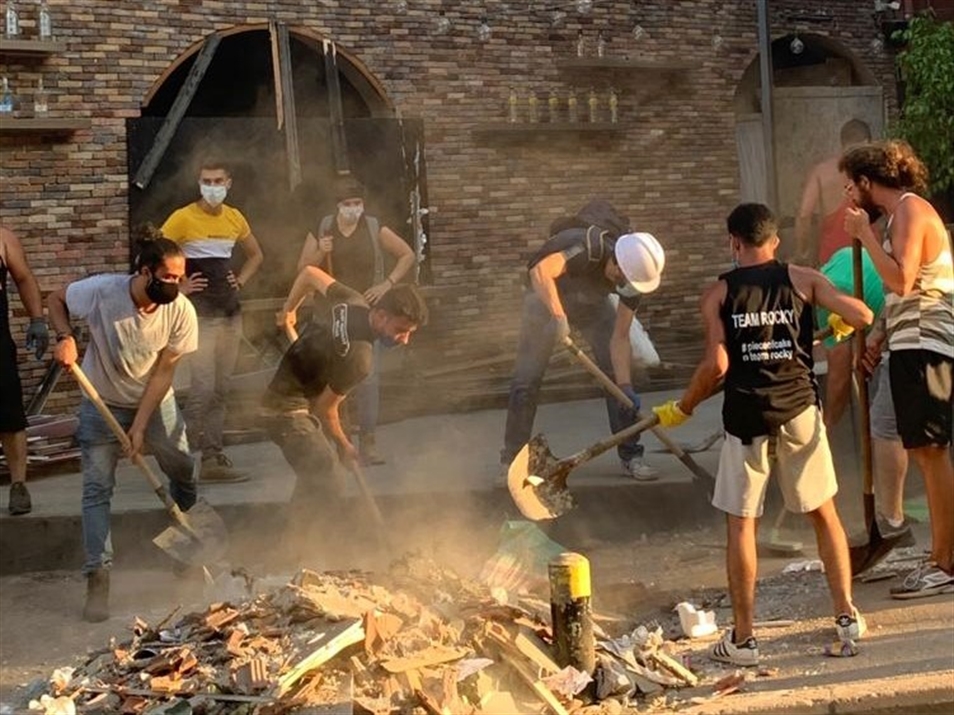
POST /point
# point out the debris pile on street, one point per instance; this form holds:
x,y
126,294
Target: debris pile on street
x,y
421,639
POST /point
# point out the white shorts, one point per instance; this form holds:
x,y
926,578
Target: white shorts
x,y
803,466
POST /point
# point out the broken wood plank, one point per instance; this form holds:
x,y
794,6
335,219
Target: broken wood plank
x,y
674,666
276,75
531,646
332,645
537,685
288,103
339,144
181,104
435,655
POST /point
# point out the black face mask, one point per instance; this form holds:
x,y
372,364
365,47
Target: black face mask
x,y
161,292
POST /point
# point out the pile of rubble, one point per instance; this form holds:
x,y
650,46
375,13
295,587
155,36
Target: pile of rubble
x,y
422,640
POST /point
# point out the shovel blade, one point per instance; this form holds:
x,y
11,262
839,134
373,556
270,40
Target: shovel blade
x,y
205,541
538,497
865,556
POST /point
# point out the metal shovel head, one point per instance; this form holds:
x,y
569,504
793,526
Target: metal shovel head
x,y
207,543
537,483
865,556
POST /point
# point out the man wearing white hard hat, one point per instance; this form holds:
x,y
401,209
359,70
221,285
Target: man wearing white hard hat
x,y
587,258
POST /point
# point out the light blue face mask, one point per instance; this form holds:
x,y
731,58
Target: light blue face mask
x,y
387,342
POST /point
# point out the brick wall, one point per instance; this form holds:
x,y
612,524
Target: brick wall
x,y
673,171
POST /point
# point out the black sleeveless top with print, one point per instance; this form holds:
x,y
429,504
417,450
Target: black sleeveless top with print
x,y
768,331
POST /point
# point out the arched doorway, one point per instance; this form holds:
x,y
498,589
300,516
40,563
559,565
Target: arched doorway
x,y
233,114
818,85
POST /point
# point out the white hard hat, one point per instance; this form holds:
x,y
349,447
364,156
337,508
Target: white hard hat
x,y
641,259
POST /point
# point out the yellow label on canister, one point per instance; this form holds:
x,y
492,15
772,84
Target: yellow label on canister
x,y
572,572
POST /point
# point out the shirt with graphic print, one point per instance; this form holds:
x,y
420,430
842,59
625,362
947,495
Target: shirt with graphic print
x,y
207,241
336,354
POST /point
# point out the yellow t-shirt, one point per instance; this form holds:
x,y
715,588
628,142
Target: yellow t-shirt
x,y
207,241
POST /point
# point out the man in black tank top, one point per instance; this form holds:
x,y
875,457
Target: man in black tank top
x,y
758,326
13,422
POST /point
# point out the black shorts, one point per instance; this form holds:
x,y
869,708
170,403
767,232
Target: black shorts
x,y
12,416
921,386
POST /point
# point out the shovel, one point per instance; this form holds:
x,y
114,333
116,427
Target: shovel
x,y
199,535
700,476
537,481
864,556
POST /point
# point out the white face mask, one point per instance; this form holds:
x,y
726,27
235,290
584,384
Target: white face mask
x,y
213,195
350,214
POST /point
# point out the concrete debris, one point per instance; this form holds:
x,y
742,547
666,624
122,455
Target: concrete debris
x,y
419,639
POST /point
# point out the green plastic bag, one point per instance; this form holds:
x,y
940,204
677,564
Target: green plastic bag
x,y
521,560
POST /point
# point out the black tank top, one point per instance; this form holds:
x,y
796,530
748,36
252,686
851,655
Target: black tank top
x,y
768,330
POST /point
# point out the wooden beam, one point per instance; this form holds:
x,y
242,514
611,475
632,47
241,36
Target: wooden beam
x,y
339,145
179,107
288,107
276,75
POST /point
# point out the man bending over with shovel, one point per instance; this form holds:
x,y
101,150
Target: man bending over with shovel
x,y
139,327
316,373
587,257
758,327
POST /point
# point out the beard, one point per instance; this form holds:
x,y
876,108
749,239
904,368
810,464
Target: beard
x,y
865,202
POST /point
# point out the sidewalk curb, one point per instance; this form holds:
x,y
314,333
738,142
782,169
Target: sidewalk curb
x,y
928,693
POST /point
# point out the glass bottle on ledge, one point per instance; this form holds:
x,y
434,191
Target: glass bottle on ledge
x,y
613,106
533,108
580,44
45,22
512,106
40,100
593,104
600,45
553,107
6,97
572,114
11,16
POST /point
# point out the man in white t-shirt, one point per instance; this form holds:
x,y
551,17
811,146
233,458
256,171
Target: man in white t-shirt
x,y
139,327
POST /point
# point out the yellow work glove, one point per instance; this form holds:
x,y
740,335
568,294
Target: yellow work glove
x,y
839,328
669,414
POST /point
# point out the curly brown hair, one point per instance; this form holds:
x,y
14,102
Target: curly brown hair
x,y
890,163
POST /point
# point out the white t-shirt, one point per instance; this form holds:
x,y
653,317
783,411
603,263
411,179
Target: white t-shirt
x,y
124,343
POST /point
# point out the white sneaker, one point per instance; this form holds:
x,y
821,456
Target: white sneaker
x,y
639,470
743,654
851,627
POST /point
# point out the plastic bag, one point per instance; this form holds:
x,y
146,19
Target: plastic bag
x,y
521,560
644,352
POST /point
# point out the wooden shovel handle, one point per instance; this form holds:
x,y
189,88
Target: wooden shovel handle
x,y
657,431
93,396
867,466
594,450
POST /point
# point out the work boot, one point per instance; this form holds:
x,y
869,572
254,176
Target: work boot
x,y
217,468
367,451
97,596
19,499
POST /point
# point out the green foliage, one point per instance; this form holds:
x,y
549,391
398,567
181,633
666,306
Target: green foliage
x,y
927,115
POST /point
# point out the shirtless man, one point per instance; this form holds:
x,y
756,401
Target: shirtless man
x,y
824,195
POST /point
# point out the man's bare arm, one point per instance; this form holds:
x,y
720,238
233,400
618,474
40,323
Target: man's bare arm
x,y
543,279
27,285
715,361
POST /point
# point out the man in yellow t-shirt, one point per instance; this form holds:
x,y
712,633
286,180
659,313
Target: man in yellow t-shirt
x,y
208,230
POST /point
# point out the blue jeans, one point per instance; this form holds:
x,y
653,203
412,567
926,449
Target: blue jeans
x,y
100,450
595,319
211,367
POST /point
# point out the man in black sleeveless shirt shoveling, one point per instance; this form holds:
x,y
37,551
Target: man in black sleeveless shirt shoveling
x,y
758,326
